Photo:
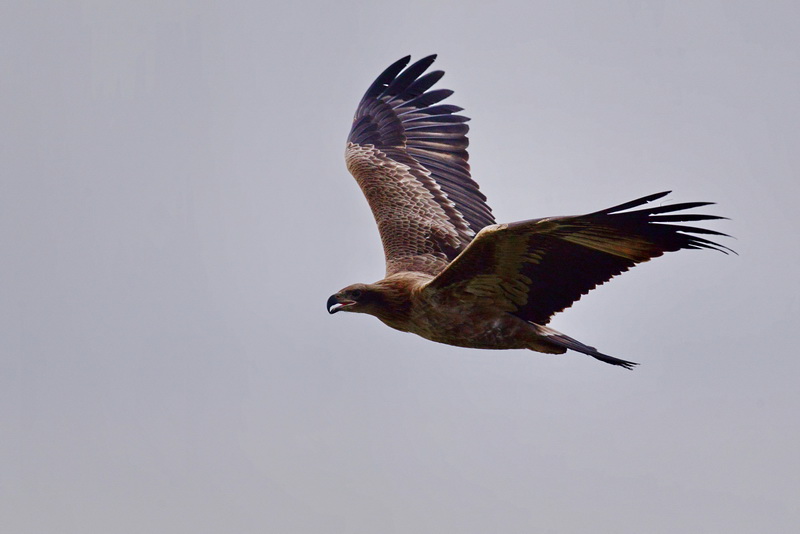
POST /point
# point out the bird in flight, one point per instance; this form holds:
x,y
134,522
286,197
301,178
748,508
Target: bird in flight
x,y
455,276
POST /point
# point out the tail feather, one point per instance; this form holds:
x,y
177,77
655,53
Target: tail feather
x,y
562,340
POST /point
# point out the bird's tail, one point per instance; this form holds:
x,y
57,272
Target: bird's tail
x,y
561,340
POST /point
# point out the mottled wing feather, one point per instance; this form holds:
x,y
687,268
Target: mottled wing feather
x,y
534,269
408,153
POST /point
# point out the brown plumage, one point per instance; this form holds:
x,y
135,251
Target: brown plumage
x,y
452,274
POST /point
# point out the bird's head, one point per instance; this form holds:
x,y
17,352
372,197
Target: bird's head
x,y
359,298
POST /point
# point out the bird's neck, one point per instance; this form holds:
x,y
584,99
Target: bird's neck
x,y
398,295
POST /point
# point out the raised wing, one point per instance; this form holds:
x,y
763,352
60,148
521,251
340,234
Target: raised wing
x,y
408,154
534,269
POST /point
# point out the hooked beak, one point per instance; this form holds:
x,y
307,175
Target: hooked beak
x,y
334,304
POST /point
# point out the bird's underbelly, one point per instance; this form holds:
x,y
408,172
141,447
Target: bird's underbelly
x,y
472,328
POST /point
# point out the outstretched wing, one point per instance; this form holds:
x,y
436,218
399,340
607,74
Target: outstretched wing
x,y
534,269
409,155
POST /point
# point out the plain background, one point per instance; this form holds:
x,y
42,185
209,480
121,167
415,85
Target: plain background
x,y
175,211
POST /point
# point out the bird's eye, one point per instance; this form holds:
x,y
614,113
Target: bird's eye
x,y
356,294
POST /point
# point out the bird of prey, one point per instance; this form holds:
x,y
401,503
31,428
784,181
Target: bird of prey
x,y
455,276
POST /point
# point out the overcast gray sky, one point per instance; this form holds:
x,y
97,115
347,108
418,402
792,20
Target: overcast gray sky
x,y
175,211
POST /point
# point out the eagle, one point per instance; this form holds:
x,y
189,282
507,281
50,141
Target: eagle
x,y
453,274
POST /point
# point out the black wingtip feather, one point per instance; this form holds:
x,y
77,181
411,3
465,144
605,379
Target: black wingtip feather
x,y
633,203
429,98
425,82
397,88
686,217
386,77
654,219
441,109
678,207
